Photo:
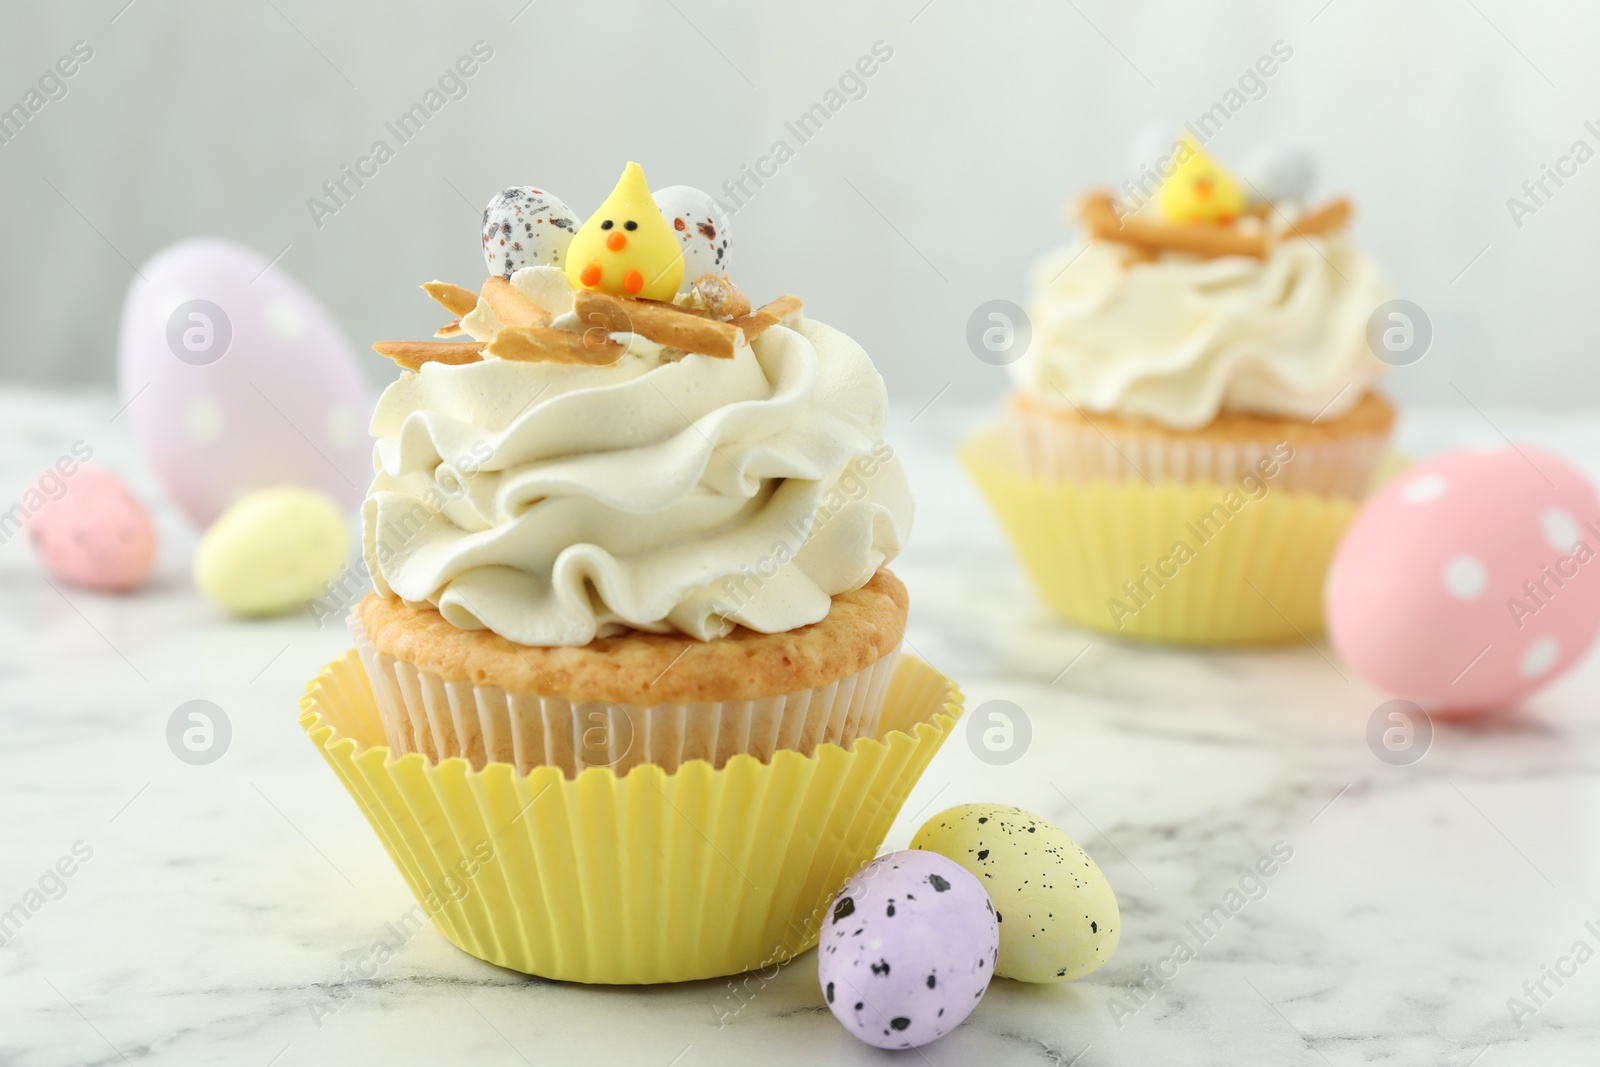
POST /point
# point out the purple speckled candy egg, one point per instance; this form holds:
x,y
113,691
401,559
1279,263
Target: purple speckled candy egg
x,y
908,949
702,229
526,227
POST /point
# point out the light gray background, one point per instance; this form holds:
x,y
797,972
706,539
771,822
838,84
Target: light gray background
x,y
928,196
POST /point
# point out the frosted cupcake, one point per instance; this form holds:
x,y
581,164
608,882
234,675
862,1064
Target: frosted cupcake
x,y
1196,413
627,703
620,516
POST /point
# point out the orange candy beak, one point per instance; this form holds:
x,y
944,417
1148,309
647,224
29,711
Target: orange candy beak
x,y
617,241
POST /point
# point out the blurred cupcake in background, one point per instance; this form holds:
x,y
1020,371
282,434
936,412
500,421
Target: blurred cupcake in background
x,y
1197,411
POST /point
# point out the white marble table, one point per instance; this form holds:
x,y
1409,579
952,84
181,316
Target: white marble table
x,y
220,906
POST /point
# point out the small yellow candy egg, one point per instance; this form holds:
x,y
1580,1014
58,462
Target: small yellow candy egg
x,y
1058,915
272,551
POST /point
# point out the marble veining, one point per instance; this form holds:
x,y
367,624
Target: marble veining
x,y
233,912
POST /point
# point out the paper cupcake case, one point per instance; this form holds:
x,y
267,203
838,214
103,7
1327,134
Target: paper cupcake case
x,y
1048,449
638,878
1256,579
441,719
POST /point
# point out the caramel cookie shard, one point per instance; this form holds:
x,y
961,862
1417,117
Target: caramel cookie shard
x,y
1326,219
541,344
766,316
449,330
456,300
720,297
511,308
1202,241
413,354
664,324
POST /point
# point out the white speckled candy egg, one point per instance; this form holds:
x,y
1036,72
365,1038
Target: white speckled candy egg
x,y
236,378
1469,580
526,227
1282,175
1058,917
272,551
907,950
702,227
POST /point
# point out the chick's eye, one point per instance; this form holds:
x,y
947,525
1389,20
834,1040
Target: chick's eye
x,y
606,225
630,225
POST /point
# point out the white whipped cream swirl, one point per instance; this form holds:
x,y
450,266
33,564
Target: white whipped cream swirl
x,y
554,503
1180,340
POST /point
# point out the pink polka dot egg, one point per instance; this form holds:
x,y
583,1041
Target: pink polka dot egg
x,y
90,531
1470,580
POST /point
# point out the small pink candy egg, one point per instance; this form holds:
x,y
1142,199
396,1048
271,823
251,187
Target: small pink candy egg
x,y
91,532
1469,580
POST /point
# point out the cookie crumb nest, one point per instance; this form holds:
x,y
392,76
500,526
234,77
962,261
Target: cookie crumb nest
x,y
861,627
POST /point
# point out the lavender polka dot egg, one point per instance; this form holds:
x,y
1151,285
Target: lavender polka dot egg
x,y
907,949
1469,580
235,377
526,227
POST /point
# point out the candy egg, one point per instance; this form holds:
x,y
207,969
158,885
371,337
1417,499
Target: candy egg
x,y
701,226
1058,916
272,551
907,950
90,531
526,227
235,377
1470,579
1281,176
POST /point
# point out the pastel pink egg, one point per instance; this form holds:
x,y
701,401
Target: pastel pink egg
x,y
236,378
1470,580
91,531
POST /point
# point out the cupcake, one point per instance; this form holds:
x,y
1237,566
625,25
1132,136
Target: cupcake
x,y
647,523
1196,413
631,628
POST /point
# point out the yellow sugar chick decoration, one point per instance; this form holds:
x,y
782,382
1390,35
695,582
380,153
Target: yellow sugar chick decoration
x,y
627,247
1200,190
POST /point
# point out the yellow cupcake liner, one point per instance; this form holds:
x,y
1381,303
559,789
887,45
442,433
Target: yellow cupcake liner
x,y
647,877
1103,554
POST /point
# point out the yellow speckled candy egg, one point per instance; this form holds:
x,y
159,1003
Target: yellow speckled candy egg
x,y
272,551
1058,916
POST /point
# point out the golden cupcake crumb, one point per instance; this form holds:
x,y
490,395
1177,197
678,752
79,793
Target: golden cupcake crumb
x,y
861,627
